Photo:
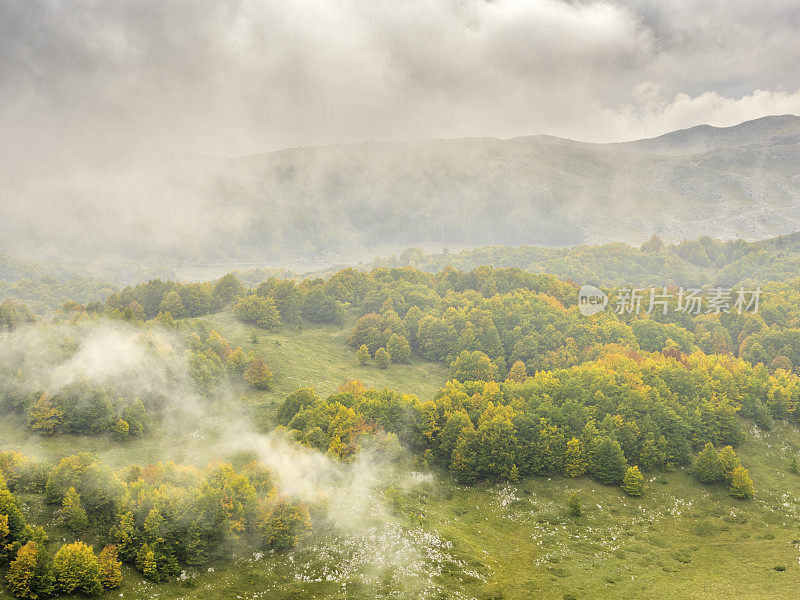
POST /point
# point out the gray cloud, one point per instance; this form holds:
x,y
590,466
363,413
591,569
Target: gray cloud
x,y
97,92
227,77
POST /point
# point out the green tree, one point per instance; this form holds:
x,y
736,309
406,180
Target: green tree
x,y
316,438
473,366
198,298
448,436
14,526
729,461
257,311
207,369
44,416
497,443
30,575
294,403
285,525
608,461
135,312
489,338
741,484
382,358
125,536
12,313
654,244
399,348
708,467
100,489
121,429
321,308
77,569
794,464
551,448
173,305
369,331
464,462
135,414
146,562
72,511
288,298
363,354
633,483
227,289
4,541
411,323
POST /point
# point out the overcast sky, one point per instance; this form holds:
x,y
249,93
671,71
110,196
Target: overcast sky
x,y
236,77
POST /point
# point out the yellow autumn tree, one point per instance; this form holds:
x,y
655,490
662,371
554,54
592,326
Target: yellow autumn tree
x,y
575,461
44,416
110,567
77,569
30,575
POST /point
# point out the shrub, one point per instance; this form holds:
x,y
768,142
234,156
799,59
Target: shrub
x,y
574,505
741,484
633,483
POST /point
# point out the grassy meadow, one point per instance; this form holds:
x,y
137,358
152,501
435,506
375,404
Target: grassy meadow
x,y
318,356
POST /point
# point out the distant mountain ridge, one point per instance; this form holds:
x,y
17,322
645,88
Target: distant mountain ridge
x,y
706,138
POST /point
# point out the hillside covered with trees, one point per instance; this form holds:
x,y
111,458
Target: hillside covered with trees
x,y
535,391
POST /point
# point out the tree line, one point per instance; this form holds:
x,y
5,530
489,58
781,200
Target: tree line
x,y
622,409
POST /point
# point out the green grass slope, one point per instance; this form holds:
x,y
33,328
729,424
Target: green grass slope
x,y
318,356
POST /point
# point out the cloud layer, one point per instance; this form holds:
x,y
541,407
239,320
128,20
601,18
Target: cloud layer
x,y
98,95
235,77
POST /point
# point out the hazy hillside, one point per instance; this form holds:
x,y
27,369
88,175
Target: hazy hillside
x,y
725,182
355,200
